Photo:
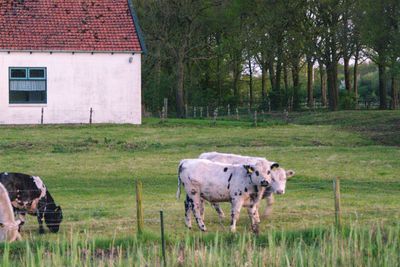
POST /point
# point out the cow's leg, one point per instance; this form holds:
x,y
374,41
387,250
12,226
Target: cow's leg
x,y
40,217
218,209
236,206
21,217
270,202
196,206
188,212
202,208
252,210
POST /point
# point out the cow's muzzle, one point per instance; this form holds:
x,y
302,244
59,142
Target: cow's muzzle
x,y
264,183
280,192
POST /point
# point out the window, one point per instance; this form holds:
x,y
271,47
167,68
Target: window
x,y
28,85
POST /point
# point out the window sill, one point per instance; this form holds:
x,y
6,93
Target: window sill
x,y
27,105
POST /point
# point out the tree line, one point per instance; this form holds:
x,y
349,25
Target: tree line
x,y
267,52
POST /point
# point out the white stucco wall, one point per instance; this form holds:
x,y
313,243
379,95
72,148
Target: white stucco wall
x,y
109,84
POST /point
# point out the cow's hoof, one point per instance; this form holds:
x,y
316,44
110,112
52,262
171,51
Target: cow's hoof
x,y
255,229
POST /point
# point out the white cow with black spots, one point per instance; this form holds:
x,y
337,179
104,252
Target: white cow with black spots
x,y
279,176
218,182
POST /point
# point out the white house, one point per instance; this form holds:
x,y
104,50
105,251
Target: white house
x,y
66,61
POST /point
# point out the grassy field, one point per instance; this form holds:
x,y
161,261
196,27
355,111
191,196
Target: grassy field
x,y
90,171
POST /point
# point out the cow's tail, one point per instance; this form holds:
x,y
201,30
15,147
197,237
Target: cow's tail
x,y
178,192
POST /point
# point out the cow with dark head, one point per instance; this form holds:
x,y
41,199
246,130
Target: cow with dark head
x,y
28,194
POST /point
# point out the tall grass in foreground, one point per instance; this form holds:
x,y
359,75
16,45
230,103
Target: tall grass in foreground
x,y
353,246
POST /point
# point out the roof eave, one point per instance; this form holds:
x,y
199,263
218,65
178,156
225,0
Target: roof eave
x,y
137,26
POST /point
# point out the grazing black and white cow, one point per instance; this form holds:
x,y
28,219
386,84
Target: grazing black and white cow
x,y
218,182
279,176
8,225
28,194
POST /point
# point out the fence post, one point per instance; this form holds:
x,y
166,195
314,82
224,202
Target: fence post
x,y
194,112
165,108
91,116
229,110
336,190
163,114
208,114
286,115
162,237
215,116
201,112
186,111
255,118
41,117
139,207
237,114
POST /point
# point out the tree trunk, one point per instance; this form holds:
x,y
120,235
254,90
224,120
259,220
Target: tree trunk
x,y
333,92
263,83
310,73
322,74
355,76
382,86
235,82
179,89
286,79
296,87
347,81
395,92
250,84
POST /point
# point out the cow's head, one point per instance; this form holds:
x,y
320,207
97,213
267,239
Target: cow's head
x,y
53,217
279,177
258,175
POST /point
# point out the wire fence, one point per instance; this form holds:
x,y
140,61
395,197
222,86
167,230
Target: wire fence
x,y
246,110
314,208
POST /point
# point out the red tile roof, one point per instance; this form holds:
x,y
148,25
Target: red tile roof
x,y
68,25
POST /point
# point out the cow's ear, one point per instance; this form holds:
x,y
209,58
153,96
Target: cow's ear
x,y
274,165
289,173
249,169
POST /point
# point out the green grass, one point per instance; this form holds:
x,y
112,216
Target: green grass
x,y
90,171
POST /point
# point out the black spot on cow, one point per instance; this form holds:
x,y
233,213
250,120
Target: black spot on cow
x,y
255,189
245,189
236,193
240,193
257,173
230,177
275,165
229,185
180,168
225,169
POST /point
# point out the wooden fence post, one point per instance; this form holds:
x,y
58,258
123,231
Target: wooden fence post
x,y
162,237
91,116
255,118
208,114
139,207
41,117
229,110
186,111
201,112
165,108
237,114
194,112
336,190
215,116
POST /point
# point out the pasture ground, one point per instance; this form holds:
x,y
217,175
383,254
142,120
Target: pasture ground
x,y
90,171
